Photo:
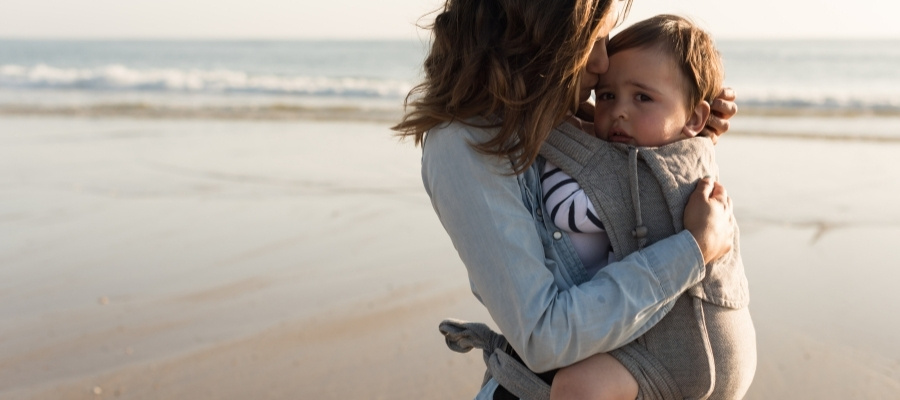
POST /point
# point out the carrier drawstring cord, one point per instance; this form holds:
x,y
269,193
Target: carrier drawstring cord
x,y
640,231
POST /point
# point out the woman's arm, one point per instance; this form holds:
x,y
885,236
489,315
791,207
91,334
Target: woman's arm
x,y
483,211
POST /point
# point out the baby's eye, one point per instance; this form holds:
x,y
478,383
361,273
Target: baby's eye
x,y
642,98
605,96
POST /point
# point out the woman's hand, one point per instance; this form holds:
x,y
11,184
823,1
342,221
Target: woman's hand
x,y
586,126
723,108
708,216
586,111
584,117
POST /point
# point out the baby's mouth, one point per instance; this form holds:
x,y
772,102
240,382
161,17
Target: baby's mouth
x,y
618,135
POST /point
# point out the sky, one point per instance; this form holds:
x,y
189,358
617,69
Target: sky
x,y
397,19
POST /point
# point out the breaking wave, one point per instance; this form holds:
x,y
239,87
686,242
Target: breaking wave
x,y
116,77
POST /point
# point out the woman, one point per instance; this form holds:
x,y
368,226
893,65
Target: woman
x,y
500,75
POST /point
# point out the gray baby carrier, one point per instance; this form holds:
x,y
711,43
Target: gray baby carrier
x,y
705,347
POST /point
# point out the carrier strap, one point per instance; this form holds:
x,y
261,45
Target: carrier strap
x,y
507,371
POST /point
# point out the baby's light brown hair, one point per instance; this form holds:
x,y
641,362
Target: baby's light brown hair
x,y
692,49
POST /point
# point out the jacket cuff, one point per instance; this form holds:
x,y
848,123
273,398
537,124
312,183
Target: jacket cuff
x,y
676,262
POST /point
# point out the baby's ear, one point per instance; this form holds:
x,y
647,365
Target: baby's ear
x,y
696,120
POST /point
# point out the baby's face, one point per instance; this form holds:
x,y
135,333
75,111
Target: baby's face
x,y
641,99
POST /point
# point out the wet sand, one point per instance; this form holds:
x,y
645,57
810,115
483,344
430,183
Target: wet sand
x,y
299,259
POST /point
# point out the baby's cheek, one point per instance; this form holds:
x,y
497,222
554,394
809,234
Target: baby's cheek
x,y
601,128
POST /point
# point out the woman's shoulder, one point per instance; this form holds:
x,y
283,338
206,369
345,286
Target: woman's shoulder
x,y
456,133
452,145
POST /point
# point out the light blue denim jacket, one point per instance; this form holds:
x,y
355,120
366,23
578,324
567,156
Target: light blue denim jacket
x,y
525,270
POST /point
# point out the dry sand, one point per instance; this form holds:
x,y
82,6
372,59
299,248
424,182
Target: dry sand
x,y
293,260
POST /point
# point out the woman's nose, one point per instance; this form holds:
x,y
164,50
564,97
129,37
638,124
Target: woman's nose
x,y
598,60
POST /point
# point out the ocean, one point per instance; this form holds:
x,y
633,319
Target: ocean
x,y
849,83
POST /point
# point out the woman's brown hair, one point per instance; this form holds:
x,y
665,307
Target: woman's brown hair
x,y
515,63
691,48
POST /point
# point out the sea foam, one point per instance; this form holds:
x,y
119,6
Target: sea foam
x,y
117,77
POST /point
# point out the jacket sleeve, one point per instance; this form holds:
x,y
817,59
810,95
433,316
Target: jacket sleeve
x,y
482,209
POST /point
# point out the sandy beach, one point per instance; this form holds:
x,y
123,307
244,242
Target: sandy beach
x,y
216,259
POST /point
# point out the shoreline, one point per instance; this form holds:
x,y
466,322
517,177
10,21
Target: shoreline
x,y
275,112
861,128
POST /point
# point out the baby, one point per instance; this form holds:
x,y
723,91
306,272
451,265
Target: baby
x,y
663,73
